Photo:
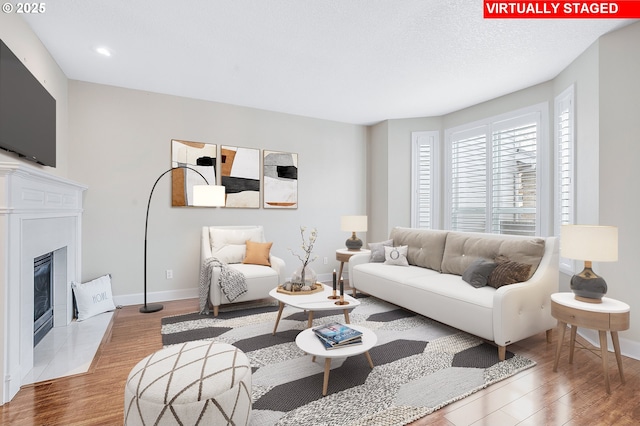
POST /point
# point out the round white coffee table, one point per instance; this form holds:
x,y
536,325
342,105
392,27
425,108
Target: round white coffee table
x,y
312,302
309,342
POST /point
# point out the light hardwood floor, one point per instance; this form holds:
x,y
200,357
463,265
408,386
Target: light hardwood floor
x,y
574,395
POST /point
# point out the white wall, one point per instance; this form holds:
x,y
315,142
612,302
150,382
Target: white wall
x,y
17,35
121,143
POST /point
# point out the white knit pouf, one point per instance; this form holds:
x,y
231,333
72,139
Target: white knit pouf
x,y
194,383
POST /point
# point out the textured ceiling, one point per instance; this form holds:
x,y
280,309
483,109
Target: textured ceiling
x,y
355,61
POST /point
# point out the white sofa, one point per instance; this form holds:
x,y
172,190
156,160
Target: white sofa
x,y
432,284
227,243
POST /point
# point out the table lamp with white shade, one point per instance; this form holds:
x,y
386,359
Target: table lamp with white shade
x,y
354,224
590,243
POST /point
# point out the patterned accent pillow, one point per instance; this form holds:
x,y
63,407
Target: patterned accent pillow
x,y
377,250
477,274
396,256
508,272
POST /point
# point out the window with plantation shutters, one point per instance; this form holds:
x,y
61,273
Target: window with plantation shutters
x,y
492,177
424,160
514,176
469,183
565,168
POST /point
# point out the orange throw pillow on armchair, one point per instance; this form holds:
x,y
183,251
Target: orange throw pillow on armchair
x,y
257,253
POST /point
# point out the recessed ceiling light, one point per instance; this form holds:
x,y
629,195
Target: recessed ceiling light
x,y
103,51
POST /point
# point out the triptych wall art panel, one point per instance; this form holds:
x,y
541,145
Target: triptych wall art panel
x,y
280,180
240,174
198,156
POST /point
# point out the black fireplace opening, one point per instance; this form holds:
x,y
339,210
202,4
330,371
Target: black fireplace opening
x,y
42,296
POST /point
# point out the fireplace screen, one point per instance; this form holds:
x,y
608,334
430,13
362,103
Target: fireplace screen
x,y
42,296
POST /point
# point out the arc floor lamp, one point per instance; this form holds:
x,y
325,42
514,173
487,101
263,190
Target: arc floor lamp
x,y
203,196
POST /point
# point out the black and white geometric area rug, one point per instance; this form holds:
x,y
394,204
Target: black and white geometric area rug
x,y
420,365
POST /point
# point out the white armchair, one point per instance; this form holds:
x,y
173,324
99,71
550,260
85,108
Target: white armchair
x,y
227,243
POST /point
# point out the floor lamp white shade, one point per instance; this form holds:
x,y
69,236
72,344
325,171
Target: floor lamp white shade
x,y
208,196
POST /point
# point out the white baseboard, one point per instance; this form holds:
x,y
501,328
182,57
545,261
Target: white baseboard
x,y
189,293
628,347
155,297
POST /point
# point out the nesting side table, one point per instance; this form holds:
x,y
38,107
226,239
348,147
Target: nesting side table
x,y
611,315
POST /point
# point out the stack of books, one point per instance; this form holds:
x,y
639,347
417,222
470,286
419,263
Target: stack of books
x,y
335,335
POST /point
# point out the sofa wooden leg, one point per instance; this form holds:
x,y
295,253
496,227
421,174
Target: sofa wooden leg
x,y
502,353
549,335
215,311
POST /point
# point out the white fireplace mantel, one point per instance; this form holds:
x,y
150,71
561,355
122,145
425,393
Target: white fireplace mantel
x,y
39,213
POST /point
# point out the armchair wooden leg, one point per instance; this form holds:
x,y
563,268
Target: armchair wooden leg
x,y
549,335
502,353
215,311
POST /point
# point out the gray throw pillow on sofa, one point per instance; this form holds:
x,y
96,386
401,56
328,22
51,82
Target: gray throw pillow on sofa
x,y
477,274
377,250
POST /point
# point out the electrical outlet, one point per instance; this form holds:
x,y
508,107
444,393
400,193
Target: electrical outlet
x,y
326,260
169,274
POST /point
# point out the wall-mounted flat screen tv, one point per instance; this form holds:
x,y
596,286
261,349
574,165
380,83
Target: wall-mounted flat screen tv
x,y
27,112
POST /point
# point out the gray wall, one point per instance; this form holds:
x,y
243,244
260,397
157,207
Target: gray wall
x,y
619,154
120,144
390,173
378,203
584,74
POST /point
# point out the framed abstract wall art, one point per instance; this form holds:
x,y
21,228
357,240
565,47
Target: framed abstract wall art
x,y
199,156
280,180
240,174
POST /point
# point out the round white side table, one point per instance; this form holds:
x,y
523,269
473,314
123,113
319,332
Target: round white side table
x,y
611,315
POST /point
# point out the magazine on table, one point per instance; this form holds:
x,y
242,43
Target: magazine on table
x,y
337,333
329,344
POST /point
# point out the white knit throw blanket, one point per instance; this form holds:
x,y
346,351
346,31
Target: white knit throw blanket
x,y
232,282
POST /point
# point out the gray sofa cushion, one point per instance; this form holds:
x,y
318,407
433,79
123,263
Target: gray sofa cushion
x,y
426,246
462,249
528,251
